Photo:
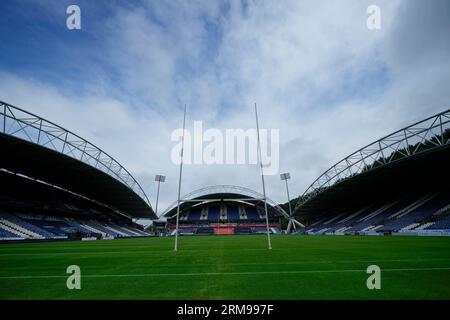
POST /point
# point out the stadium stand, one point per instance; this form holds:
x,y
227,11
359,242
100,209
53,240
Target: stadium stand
x,y
252,214
213,213
233,213
74,191
194,215
407,214
225,210
399,184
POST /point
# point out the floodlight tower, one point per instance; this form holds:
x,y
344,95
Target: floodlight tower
x,y
159,179
292,222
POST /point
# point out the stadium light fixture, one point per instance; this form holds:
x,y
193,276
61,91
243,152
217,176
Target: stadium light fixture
x,y
292,222
159,179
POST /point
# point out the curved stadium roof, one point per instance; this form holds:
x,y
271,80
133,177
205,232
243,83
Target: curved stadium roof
x,y
224,193
42,150
418,153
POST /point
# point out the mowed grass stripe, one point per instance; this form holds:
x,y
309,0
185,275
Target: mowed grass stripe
x,y
229,267
262,263
256,273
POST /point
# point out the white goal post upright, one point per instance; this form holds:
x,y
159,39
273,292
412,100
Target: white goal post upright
x,y
269,244
179,181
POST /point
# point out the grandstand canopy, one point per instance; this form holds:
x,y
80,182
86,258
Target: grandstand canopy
x,y
42,150
409,160
224,193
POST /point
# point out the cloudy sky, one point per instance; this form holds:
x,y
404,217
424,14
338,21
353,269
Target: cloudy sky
x,y
317,73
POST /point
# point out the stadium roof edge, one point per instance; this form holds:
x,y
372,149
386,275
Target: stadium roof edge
x,y
224,189
23,125
401,144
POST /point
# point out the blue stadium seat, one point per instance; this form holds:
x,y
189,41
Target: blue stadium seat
x,y
252,214
233,213
194,215
213,213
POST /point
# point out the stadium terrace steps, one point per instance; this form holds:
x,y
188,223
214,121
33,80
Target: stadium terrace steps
x,y
8,235
368,228
92,229
378,219
404,215
410,226
427,207
323,230
98,226
77,225
20,225
347,222
351,216
441,224
19,229
127,231
412,206
343,229
424,226
317,223
22,222
116,232
443,210
379,210
374,228
333,219
13,231
133,233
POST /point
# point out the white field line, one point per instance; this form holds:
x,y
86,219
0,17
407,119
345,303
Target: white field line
x,y
374,261
221,273
262,263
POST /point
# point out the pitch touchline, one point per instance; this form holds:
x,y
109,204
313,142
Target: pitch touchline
x,y
220,273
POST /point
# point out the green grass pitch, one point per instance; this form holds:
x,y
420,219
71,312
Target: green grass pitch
x,y
229,267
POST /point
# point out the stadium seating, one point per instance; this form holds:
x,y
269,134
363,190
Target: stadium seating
x,y
442,224
252,214
371,220
28,230
29,226
5,234
233,213
78,226
99,227
58,228
213,213
412,213
194,215
417,215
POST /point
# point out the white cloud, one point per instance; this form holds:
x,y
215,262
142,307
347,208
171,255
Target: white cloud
x,y
317,73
